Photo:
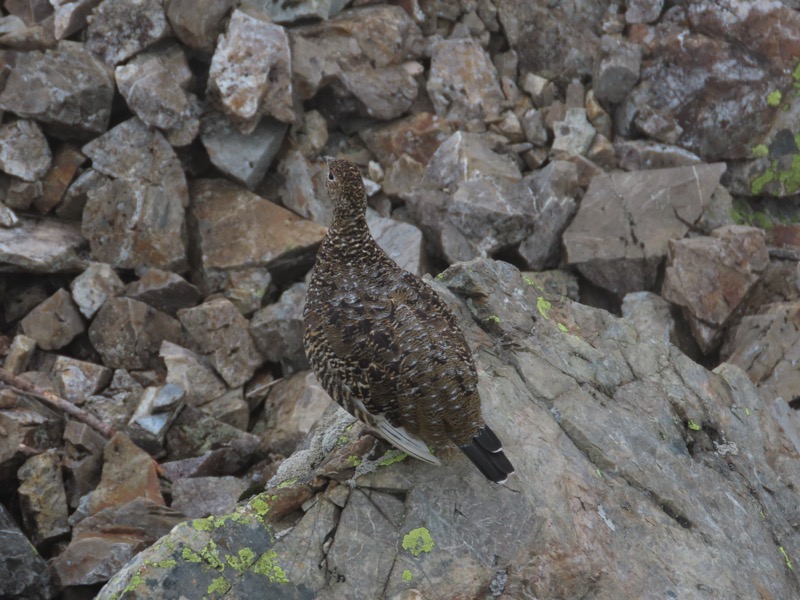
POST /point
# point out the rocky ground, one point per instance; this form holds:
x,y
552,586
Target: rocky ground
x,y
162,201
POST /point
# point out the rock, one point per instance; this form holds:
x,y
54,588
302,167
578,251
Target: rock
x,y
573,136
42,498
83,460
128,333
74,200
402,175
20,195
104,542
643,11
19,354
533,127
41,246
401,241
245,157
153,85
237,230
616,69
619,235
639,155
191,373
230,408
251,71
110,35
164,291
72,17
379,36
155,411
136,217
554,189
554,282
118,401
78,379
200,497
292,408
310,134
289,13
277,330
24,152
66,163
7,217
222,334
303,190
23,572
198,23
55,322
28,425
463,84
650,314
128,473
200,445
418,136
677,430
94,286
385,93
711,276
67,88
766,347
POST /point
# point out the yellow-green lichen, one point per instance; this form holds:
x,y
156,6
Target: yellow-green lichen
x,y
562,328
260,505
760,182
774,98
267,566
493,319
543,306
418,540
219,586
343,439
167,563
287,483
786,558
760,151
440,276
693,426
210,555
202,524
242,561
527,280
407,575
393,459
353,460
599,473
746,411
135,582
191,556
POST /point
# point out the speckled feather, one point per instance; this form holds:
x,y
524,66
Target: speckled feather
x,y
385,346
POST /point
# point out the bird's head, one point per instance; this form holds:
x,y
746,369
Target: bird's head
x,y
345,189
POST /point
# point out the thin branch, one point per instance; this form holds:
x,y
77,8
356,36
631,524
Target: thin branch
x,y
22,386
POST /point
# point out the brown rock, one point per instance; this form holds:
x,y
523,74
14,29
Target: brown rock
x,y
118,401
128,333
24,152
66,88
72,17
237,230
94,286
198,23
303,190
41,246
55,322
222,333
200,497
418,136
155,410
110,35
277,329
192,373
711,276
27,425
163,291
19,354
42,498
65,164
78,379
83,460
385,93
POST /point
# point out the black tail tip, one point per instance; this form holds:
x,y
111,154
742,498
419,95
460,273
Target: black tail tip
x,y
486,453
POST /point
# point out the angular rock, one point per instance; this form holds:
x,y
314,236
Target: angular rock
x,y
41,246
74,200
128,333
128,473
27,424
573,136
303,190
110,35
152,87
619,235
20,195
24,152
230,408
78,379
42,498
8,217
401,176
639,155
66,163
245,157
292,408
103,543
463,84
251,73
643,11
71,17
83,460
118,401
310,134
154,413
164,291
556,282
277,330
281,12
19,354
66,88
222,334
136,217
198,23
94,286
385,93
237,230
616,70
55,322
23,572
710,277
418,136
192,373
402,242
554,189
200,497
200,445
247,289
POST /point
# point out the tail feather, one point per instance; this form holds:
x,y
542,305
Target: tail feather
x,y
486,452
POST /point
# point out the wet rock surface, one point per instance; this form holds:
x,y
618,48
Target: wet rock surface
x,y
162,198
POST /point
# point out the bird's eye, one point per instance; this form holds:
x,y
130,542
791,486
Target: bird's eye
x,y
331,176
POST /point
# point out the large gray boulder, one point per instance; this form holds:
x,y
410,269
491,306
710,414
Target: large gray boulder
x,y
639,475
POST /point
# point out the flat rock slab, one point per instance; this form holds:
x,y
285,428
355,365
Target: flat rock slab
x,y
41,246
635,452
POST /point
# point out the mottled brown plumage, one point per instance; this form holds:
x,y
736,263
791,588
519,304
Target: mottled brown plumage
x,y
386,347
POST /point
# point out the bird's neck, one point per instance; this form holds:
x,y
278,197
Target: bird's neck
x,y
350,237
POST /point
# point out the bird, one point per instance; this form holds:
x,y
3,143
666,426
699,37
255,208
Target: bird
x,y
386,347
